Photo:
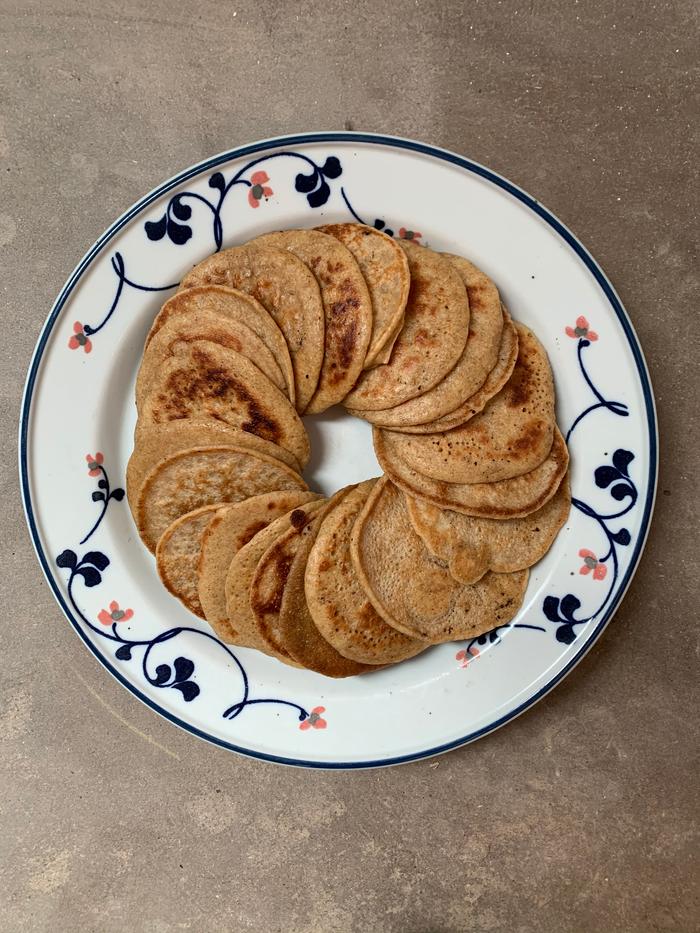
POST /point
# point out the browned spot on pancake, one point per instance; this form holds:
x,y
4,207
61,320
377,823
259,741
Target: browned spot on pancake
x,y
251,531
324,565
298,519
530,439
521,384
281,566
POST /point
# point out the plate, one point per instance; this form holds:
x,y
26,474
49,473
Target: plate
x,y
78,416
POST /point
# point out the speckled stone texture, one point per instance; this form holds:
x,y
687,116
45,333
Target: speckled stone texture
x,y
581,814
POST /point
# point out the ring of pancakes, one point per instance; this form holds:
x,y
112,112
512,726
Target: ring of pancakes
x,y
461,398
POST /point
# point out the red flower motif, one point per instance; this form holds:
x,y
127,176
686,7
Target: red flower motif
x,y
115,614
80,338
258,189
591,562
409,234
95,463
314,720
581,330
466,655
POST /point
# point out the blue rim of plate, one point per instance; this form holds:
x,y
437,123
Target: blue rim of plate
x,y
436,153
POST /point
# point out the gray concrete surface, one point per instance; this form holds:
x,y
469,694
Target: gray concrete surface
x,y
579,816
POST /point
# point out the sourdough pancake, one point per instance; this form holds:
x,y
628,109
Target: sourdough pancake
x,y
204,380
414,592
472,546
230,529
347,308
201,476
287,289
384,265
509,498
338,604
177,556
229,304
431,341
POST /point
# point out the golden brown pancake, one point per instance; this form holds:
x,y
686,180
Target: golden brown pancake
x,y
338,604
432,338
287,289
177,556
385,268
414,592
347,307
509,498
201,476
472,546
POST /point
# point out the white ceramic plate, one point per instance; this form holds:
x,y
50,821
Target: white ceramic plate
x,y
78,416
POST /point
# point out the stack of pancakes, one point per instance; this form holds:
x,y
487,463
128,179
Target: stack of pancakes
x,y
461,399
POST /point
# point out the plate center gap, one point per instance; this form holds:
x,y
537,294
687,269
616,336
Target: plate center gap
x,y
341,451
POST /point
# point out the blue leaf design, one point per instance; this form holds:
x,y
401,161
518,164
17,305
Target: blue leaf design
x,y
569,605
319,197
97,559
622,459
123,653
67,559
162,674
117,494
550,607
622,536
155,229
188,689
91,576
184,668
180,210
379,224
179,233
102,484
620,491
217,181
98,496
566,634
306,183
332,168
605,475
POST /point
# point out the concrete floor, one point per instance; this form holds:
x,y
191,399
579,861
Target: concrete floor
x,y
581,814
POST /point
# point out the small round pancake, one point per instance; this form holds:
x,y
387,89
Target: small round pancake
x,y
509,498
337,602
232,305
155,442
296,627
511,436
205,380
473,546
287,289
414,592
347,308
227,332
496,379
201,476
433,336
177,556
270,577
240,577
231,528
385,268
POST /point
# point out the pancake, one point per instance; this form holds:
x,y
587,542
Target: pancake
x,y
231,305
496,379
287,289
270,577
240,577
347,308
227,332
177,556
155,442
472,546
231,528
384,265
431,341
296,627
201,476
487,319
338,604
509,498
511,436
414,592
205,380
